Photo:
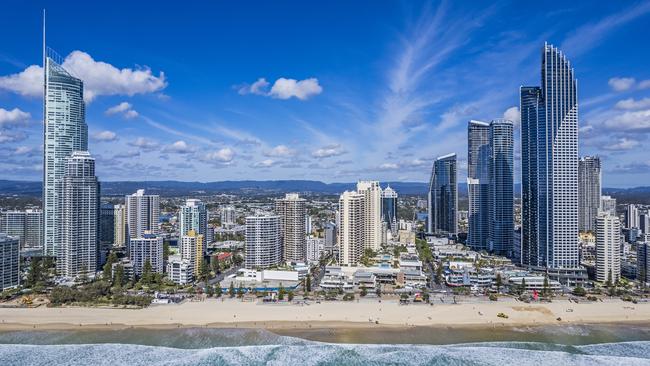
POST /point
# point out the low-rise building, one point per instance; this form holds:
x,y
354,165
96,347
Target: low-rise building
x,y
180,270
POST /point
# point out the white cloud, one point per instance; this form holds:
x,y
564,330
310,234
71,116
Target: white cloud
x,y
645,84
632,121
105,136
24,150
7,137
264,163
100,78
144,144
179,147
124,108
280,151
14,117
328,151
224,155
621,84
633,104
126,154
283,88
388,166
303,89
512,114
622,144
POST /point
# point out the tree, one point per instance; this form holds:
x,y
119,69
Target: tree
x,y
166,251
146,273
308,283
438,278
204,271
214,264
579,291
378,290
240,291
498,282
522,289
209,290
364,291
545,289
35,274
290,296
281,292
232,290
218,291
118,276
108,267
237,260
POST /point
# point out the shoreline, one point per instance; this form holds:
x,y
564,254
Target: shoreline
x,y
365,314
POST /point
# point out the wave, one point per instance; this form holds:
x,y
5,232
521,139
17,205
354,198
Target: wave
x,y
314,353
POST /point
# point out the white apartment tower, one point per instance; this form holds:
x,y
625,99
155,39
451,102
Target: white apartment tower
x,y
142,214
193,216
351,228
608,204
147,248
372,194
293,213
263,241
78,217
608,248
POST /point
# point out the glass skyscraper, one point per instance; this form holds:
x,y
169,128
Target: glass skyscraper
x,y
65,131
490,186
443,196
549,124
478,146
501,188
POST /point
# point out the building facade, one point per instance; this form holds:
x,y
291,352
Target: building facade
x,y
149,247
443,196
608,204
26,225
315,247
589,192
632,217
478,180
193,216
292,211
119,219
643,262
501,188
107,223
65,131
351,228
608,248
228,216
371,192
179,270
142,214
192,247
263,241
77,237
549,125
9,261
389,208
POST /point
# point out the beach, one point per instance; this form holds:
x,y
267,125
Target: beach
x,y
365,313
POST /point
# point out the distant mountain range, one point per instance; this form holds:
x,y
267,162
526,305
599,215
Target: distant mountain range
x,y
177,188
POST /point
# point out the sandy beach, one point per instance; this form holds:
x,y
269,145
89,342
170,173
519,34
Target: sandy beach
x,y
232,313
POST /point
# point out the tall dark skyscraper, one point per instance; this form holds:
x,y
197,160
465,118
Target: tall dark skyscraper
x,y
490,186
549,124
501,188
478,154
443,196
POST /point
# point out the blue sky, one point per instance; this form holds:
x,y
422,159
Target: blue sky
x,y
335,91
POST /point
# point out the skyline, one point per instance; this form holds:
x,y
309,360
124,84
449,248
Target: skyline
x,y
395,105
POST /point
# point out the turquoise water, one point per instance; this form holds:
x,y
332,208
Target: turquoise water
x,y
258,347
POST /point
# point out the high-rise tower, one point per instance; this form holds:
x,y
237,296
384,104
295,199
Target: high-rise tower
x,y
478,154
589,192
443,196
293,212
64,131
549,123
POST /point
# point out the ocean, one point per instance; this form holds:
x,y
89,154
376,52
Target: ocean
x,y
552,345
